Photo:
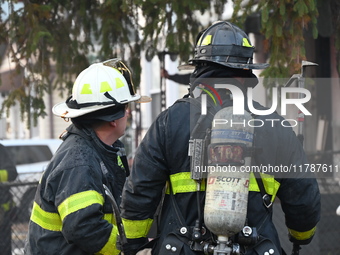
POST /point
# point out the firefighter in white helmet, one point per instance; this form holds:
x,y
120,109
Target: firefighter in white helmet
x,y
223,55
71,214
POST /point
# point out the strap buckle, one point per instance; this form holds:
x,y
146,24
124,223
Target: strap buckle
x,y
267,200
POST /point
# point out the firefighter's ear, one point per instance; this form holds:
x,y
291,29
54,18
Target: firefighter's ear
x,y
113,123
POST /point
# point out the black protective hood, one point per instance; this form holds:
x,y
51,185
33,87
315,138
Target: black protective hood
x,y
220,73
106,114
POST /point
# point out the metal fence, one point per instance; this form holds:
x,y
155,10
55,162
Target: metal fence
x,y
14,222
326,239
325,242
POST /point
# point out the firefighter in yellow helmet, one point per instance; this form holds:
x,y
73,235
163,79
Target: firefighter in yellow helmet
x,y
71,213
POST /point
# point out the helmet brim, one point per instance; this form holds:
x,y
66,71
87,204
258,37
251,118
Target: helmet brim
x,y
144,99
62,110
192,64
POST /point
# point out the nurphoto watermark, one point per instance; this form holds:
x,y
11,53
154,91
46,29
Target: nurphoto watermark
x,y
239,103
238,100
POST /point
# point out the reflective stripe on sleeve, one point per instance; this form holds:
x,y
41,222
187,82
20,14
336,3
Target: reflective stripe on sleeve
x,y
182,183
46,220
302,235
79,201
137,228
110,246
3,175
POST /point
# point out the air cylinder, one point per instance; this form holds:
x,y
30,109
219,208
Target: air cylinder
x,y
228,177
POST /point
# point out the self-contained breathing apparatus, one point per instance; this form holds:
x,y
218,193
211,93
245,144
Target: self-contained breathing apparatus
x,y
218,158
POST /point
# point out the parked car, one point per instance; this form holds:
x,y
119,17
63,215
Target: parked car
x,y
31,157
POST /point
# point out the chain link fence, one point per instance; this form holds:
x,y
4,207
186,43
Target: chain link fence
x,y
14,222
327,236
325,242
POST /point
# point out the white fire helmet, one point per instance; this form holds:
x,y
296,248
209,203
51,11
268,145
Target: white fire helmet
x,y
100,86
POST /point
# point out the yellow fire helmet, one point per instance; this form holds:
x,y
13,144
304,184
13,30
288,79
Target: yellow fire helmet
x,y
100,86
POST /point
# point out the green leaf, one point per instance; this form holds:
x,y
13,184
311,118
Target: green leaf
x,y
278,29
282,8
265,14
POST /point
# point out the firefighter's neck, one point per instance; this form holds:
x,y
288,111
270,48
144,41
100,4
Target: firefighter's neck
x,y
106,133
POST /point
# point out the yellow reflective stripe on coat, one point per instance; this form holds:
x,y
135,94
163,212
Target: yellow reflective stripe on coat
x,y
182,183
136,228
302,235
119,162
46,220
3,175
79,201
270,184
110,246
110,218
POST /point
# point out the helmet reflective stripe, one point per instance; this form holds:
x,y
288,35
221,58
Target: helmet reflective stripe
x,y
225,44
105,86
246,43
86,89
206,40
119,83
95,81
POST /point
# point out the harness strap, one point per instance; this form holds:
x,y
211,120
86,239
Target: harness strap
x,y
185,233
266,198
176,208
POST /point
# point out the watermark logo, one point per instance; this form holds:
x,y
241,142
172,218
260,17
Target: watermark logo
x,y
239,100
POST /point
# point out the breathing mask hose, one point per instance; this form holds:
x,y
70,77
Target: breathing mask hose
x,y
198,203
196,235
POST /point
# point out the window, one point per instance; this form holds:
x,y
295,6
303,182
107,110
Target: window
x,y
29,154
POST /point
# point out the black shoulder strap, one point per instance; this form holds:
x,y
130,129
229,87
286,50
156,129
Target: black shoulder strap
x,y
204,121
176,208
266,198
158,213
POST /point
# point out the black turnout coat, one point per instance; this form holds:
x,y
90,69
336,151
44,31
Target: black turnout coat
x,y
162,157
71,213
